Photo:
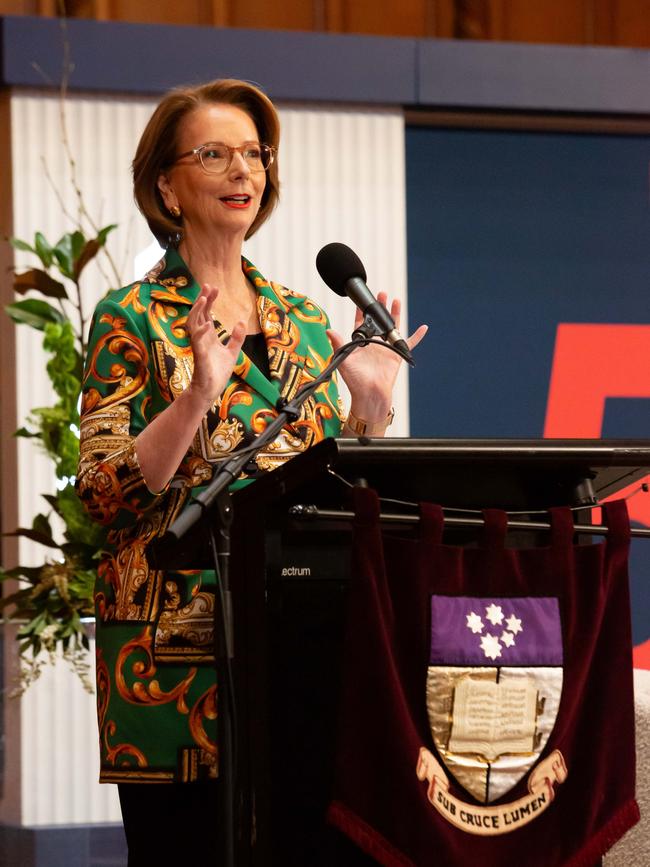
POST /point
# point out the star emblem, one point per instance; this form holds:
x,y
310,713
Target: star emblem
x,y
514,624
474,622
507,638
494,614
490,646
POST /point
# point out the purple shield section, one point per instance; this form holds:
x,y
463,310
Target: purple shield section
x,y
486,631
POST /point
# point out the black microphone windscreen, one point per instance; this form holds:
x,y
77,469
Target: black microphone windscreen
x,y
337,264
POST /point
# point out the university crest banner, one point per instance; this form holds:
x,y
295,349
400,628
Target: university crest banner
x,y
487,711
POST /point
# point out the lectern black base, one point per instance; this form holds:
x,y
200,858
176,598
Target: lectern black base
x,y
306,626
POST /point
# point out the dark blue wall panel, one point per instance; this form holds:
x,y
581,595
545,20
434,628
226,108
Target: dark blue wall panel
x,y
510,234
541,77
152,58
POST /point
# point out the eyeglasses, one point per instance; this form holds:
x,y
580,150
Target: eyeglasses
x,y
216,157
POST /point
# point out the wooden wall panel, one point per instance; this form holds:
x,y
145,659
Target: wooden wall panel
x,y
404,18
8,417
20,7
441,16
190,12
570,22
382,17
287,15
552,22
476,19
386,17
10,710
96,9
621,22
389,18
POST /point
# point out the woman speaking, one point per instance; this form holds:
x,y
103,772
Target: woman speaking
x,y
184,368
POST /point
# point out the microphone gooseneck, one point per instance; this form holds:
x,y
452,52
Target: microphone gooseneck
x,y
342,270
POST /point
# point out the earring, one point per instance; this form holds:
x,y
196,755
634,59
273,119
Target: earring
x,y
175,211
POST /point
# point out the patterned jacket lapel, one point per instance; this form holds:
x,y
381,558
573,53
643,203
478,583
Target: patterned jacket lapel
x,y
178,286
281,332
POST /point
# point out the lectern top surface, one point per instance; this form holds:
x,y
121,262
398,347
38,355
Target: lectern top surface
x,y
596,452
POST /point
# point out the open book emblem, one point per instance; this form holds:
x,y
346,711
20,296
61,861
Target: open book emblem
x,y
494,684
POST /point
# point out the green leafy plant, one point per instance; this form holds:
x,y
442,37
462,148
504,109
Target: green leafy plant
x,y
52,599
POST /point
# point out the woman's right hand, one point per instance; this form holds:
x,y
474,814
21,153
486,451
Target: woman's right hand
x,y
213,361
161,446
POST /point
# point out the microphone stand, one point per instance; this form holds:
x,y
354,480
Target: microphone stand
x,y
373,325
224,631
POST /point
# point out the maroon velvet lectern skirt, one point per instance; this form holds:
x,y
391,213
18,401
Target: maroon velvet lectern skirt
x,y
487,711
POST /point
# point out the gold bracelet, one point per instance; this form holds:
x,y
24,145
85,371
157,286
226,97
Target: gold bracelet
x,y
361,428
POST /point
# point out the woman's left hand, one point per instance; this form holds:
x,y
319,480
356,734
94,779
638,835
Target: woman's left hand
x,y
370,372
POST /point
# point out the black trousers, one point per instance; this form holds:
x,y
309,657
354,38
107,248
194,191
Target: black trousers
x,y
170,824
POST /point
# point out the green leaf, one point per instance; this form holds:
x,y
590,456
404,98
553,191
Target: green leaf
x,y
34,625
17,244
78,242
41,282
88,253
43,249
81,588
59,442
81,552
53,500
35,536
73,252
33,312
90,249
16,599
41,525
101,235
80,529
24,432
63,253
22,573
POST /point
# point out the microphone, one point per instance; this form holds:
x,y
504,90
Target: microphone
x,y
343,271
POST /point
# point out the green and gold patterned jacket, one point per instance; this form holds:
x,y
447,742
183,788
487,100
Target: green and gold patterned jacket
x,y
156,689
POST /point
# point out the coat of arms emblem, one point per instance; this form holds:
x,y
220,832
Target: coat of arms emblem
x,y
493,689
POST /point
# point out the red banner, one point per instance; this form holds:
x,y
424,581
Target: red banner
x,y
487,710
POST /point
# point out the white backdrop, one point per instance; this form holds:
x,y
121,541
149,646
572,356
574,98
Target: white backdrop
x,y
343,180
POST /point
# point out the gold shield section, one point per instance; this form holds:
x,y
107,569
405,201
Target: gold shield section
x,y
490,725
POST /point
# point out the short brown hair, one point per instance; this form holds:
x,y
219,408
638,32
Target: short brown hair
x,y
157,147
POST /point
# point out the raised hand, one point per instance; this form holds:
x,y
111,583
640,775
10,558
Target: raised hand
x,y
213,361
370,372
161,446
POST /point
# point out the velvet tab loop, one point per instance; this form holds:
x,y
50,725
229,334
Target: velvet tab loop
x,y
494,530
432,523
